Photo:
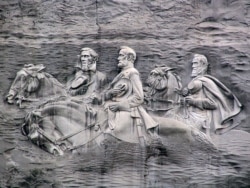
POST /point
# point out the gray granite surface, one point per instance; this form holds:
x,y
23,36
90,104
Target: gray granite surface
x,y
161,32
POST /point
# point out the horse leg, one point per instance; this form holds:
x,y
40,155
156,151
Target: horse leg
x,y
52,148
169,127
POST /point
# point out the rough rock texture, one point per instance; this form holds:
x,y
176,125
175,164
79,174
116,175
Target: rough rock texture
x,y
161,32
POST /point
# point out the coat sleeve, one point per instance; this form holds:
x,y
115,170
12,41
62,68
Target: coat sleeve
x,y
137,97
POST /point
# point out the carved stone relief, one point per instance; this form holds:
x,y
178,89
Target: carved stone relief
x,y
165,110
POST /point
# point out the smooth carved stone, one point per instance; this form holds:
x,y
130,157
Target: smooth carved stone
x,y
208,102
167,32
87,80
161,95
66,125
33,84
62,126
123,99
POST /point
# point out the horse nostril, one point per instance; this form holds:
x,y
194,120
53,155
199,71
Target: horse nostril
x,y
10,99
57,152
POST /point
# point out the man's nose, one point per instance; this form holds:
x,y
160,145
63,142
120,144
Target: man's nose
x,y
83,59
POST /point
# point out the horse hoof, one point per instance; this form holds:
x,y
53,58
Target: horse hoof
x,y
9,101
63,146
54,150
57,152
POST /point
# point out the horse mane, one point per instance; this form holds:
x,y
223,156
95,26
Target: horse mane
x,y
53,80
177,78
170,80
174,82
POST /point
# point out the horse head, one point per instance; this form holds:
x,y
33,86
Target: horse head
x,y
161,94
62,125
33,84
32,128
158,78
27,81
163,78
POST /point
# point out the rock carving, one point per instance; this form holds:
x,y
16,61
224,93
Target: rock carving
x,y
32,83
161,95
62,126
208,102
69,123
87,79
127,119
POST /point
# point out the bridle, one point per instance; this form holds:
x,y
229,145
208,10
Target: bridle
x,y
60,141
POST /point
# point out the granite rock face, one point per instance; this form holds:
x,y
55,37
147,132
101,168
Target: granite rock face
x,y
161,32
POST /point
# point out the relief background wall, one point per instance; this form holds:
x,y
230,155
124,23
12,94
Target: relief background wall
x,y
161,32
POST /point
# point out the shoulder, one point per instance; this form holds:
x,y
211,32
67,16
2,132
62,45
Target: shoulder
x,y
195,86
213,84
101,75
209,80
130,72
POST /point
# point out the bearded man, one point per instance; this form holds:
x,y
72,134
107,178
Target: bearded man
x,y
209,103
87,80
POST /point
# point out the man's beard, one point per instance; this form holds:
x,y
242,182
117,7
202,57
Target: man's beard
x,y
89,67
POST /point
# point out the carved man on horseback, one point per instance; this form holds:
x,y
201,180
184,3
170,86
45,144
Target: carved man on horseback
x,y
86,80
127,119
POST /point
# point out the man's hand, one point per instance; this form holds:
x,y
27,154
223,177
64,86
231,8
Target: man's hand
x,y
190,101
114,107
117,106
95,98
113,92
183,92
198,103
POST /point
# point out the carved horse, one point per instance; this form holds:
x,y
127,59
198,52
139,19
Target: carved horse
x,y
64,126
32,84
161,95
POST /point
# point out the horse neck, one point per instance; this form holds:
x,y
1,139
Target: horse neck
x,y
50,86
173,83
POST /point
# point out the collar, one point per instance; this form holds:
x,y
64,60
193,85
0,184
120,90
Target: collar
x,y
128,67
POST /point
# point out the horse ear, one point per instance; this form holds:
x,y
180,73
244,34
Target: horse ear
x,y
40,67
28,65
166,69
159,65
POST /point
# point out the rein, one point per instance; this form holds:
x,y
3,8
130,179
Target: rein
x,y
73,134
59,140
21,97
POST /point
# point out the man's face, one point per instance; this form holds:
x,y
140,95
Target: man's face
x,y
86,60
122,59
198,67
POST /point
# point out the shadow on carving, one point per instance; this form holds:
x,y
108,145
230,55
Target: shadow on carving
x,y
86,111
